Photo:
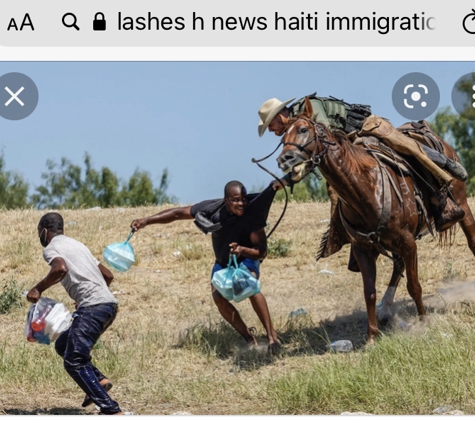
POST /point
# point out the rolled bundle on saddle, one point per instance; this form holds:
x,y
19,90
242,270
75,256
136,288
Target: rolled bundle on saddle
x,y
412,140
433,160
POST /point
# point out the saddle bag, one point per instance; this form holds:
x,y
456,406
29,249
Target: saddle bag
x,y
356,116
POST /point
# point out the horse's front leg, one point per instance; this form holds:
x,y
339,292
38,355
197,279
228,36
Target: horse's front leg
x,y
385,307
409,254
366,258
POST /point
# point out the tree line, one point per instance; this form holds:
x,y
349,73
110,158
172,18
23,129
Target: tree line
x,y
68,185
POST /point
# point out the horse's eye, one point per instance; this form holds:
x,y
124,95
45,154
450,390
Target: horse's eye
x,y
303,130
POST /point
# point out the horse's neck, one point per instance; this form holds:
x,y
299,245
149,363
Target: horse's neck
x,y
354,183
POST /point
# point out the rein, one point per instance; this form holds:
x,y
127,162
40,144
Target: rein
x,y
276,178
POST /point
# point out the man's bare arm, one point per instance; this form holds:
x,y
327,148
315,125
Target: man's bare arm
x,y
107,274
57,272
163,217
257,251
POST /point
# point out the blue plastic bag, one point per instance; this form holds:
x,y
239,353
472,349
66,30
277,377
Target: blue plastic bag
x,y
120,255
235,282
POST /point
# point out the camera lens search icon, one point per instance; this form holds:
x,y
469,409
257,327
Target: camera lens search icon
x,y
416,96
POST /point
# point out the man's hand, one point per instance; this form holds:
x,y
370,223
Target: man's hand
x,y
277,185
33,295
235,249
138,224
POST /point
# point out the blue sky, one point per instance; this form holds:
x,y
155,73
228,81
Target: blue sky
x,y
198,119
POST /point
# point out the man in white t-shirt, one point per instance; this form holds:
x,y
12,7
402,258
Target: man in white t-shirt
x,y
86,281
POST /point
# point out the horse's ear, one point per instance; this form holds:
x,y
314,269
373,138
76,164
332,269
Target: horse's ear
x,y
308,108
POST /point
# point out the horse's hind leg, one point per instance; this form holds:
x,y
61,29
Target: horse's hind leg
x,y
468,226
468,222
409,254
384,308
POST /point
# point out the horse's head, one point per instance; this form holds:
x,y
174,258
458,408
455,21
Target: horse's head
x,y
300,144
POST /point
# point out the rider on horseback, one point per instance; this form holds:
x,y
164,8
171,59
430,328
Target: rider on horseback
x,y
352,119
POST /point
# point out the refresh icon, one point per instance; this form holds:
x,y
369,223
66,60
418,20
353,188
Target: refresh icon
x,y
469,22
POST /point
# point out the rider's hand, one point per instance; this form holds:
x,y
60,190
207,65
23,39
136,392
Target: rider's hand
x,y
138,224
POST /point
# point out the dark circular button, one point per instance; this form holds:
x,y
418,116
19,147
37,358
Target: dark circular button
x,y
463,96
416,96
18,96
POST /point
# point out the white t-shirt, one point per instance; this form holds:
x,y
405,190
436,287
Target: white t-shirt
x,y
84,281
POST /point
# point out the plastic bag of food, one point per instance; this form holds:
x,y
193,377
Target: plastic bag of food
x,y
46,320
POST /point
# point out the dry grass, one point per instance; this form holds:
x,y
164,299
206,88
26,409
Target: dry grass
x,y
168,350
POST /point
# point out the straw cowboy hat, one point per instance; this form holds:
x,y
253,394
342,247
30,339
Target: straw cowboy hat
x,y
268,111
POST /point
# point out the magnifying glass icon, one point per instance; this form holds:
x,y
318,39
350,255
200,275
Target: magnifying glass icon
x,y
71,22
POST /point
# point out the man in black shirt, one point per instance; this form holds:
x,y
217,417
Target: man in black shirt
x,y
237,225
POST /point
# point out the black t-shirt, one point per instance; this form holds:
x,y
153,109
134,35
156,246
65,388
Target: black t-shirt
x,y
234,228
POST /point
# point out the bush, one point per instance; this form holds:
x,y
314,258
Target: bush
x,y
10,297
278,248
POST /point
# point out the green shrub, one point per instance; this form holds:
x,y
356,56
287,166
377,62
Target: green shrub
x,y
10,297
277,248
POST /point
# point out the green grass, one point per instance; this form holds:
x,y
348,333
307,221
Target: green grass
x,y
401,374
169,350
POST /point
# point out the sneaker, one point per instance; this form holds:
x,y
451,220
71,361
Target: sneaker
x,y
88,401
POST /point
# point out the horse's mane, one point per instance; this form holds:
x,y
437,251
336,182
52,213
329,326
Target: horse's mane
x,y
356,158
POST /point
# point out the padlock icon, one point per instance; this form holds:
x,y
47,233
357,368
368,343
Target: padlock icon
x,y
99,23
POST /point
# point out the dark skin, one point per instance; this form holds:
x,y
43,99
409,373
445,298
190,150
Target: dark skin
x,y
236,203
58,269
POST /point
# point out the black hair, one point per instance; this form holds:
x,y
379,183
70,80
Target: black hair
x,y
230,185
52,222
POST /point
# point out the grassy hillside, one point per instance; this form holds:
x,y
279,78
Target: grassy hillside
x,y
169,351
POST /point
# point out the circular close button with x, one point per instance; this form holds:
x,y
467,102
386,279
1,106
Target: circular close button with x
x,y
18,96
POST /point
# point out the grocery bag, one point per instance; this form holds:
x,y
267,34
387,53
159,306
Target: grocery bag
x,y
235,282
120,255
46,320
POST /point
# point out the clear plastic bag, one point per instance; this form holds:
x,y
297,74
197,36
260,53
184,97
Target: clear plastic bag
x,y
235,282
223,282
46,320
120,255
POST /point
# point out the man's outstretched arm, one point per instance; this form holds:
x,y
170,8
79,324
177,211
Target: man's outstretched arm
x,y
163,217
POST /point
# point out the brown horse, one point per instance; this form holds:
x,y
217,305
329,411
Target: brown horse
x,y
378,204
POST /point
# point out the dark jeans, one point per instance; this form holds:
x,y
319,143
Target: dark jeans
x,y
75,345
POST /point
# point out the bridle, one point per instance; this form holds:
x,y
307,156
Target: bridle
x,y
315,159
320,135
